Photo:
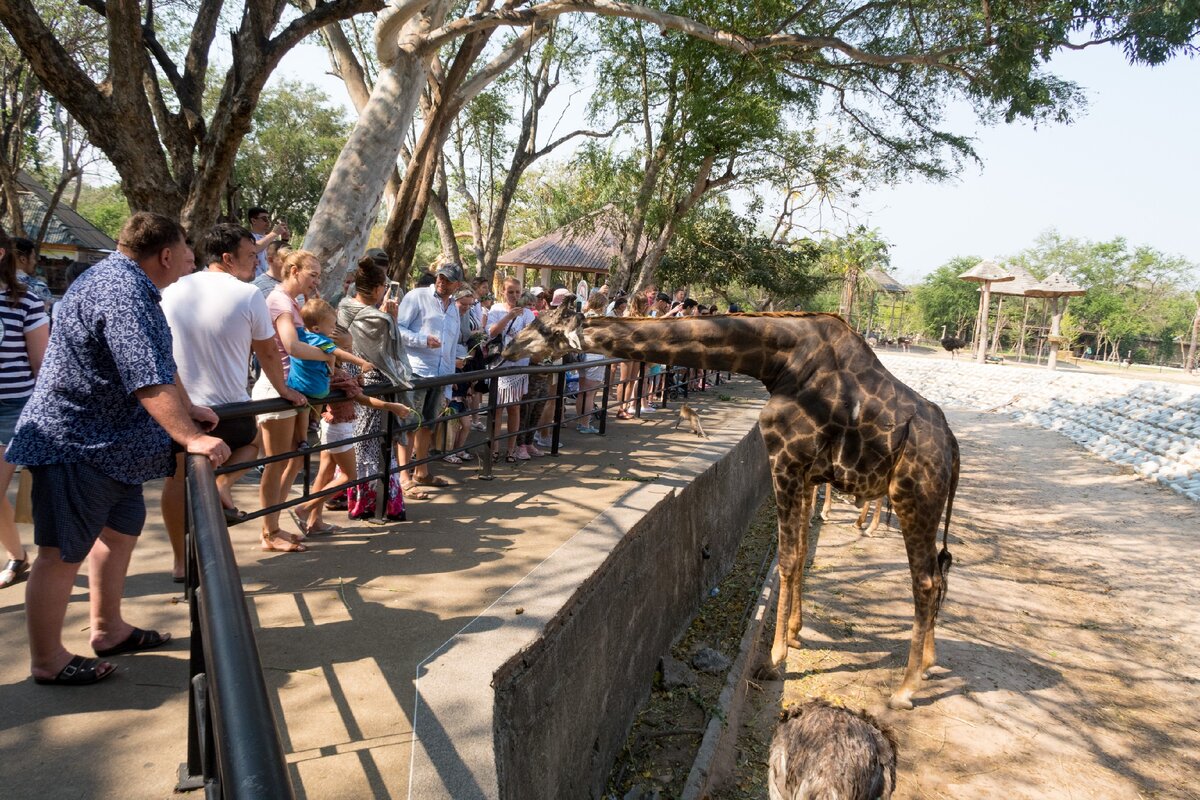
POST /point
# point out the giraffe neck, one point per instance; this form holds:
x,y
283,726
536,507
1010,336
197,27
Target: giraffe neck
x,y
758,346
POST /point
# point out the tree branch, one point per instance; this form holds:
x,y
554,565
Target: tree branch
x,y
322,15
734,41
498,65
593,134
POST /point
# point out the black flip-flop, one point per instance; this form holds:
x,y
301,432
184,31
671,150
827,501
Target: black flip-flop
x,y
137,640
233,516
79,671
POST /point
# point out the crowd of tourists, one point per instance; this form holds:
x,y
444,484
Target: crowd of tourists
x,y
121,386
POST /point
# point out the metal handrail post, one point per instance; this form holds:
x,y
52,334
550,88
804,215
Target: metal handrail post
x,y
381,495
250,758
559,400
638,390
608,370
493,398
191,773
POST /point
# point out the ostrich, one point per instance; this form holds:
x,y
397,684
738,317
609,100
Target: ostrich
x,y
952,343
820,752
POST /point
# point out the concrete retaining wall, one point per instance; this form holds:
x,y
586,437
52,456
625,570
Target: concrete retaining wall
x,y
564,704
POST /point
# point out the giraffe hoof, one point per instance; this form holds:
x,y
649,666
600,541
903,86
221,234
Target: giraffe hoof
x,y
901,702
794,641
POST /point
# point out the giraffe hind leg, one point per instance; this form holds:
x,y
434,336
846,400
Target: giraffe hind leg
x,y
920,539
877,518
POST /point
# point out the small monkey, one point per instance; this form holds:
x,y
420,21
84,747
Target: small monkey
x,y
693,420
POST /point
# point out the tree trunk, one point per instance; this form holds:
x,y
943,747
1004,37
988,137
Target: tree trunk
x,y
341,224
12,201
63,181
439,207
999,324
1191,360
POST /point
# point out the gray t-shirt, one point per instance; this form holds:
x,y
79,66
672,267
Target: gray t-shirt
x,y
266,283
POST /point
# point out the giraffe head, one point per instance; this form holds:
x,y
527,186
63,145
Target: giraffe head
x,y
551,335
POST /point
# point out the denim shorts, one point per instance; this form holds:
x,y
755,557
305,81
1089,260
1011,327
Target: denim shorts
x,y
10,411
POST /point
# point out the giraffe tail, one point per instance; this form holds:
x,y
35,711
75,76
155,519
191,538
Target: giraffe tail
x,y
944,559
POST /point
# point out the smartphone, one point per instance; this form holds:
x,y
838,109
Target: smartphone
x,y
393,292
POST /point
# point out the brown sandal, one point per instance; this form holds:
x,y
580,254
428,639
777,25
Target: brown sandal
x,y
413,491
280,542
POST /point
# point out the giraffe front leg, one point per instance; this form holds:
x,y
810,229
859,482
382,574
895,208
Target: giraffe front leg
x,y
828,502
794,506
783,610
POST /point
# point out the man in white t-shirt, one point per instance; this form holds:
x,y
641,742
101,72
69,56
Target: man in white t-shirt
x,y
217,318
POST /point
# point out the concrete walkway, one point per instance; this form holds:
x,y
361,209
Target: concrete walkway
x,y
341,629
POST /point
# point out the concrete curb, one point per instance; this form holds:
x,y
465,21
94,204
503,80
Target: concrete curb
x,y
716,756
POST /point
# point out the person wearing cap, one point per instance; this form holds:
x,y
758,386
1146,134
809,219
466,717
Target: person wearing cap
x,y
540,300
429,325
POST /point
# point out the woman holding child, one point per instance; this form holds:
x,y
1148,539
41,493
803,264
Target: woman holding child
x,y
286,430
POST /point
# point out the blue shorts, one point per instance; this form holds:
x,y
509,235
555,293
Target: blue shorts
x,y
10,412
73,502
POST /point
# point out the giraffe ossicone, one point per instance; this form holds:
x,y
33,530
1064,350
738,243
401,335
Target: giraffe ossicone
x,y
835,415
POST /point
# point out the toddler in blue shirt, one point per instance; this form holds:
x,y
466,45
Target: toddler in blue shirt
x,y
312,377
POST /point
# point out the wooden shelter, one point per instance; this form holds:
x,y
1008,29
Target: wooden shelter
x,y
69,237
883,283
1022,281
986,272
1053,287
588,247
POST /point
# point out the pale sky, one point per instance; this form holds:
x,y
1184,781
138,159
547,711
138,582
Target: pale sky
x,y
1129,166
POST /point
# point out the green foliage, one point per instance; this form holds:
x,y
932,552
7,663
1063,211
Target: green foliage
x,y
104,207
943,299
1136,296
716,249
286,159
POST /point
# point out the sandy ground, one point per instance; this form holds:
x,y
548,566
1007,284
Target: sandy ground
x,y
1069,640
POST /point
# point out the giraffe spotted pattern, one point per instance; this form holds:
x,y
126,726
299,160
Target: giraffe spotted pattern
x,y
835,415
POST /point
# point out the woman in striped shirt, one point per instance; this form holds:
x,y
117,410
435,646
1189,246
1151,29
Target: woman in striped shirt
x,y
22,345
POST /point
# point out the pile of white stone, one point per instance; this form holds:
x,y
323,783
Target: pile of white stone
x,y
1150,426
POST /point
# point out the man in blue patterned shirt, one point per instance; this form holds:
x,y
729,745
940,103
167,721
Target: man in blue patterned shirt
x,y
100,423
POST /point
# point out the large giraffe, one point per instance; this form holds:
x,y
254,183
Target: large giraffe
x,y
835,415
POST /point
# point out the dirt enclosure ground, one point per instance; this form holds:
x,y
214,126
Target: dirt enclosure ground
x,y
1069,644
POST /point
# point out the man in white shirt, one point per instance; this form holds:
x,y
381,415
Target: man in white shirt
x,y
428,322
217,317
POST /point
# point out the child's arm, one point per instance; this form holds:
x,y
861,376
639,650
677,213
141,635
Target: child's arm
x,y
345,355
399,409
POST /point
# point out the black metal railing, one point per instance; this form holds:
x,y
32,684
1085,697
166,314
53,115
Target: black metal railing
x,y
234,748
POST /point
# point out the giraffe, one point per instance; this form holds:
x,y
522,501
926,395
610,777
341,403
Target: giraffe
x,y
835,415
